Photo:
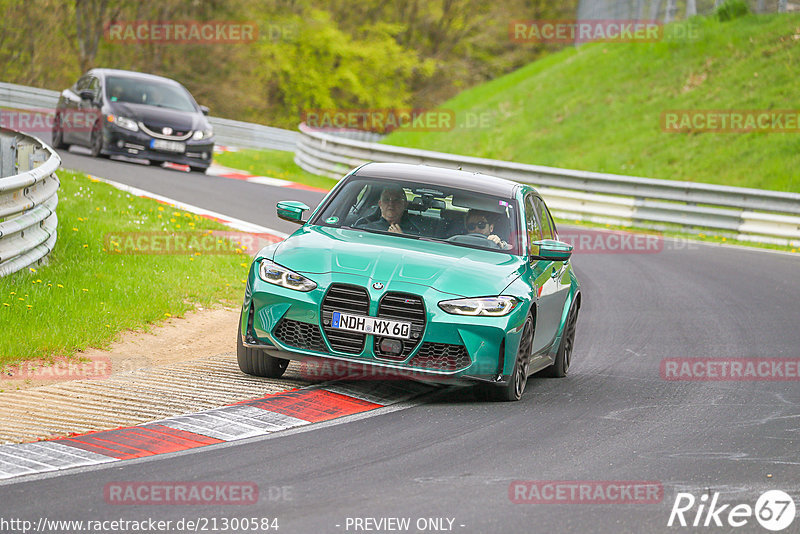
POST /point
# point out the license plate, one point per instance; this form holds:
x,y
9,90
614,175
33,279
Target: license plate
x,y
167,146
371,325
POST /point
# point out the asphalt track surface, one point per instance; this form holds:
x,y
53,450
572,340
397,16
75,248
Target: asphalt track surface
x,y
612,419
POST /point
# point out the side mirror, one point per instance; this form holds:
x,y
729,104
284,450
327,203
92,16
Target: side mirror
x,y
87,94
550,250
205,110
292,211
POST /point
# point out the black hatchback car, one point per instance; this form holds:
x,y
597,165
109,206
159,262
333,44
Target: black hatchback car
x,y
124,113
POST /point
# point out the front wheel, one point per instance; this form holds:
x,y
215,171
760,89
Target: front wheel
x,y
97,141
58,134
560,367
256,362
513,390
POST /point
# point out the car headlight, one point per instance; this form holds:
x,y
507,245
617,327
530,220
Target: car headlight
x,y
271,272
491,306
202,134
124,122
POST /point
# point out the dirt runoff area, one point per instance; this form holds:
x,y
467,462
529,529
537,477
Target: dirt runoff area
x,y
185,365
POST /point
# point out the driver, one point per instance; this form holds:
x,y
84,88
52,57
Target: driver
x,y
482,223
394,218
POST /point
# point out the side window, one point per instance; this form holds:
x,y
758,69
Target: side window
x,y
82,83
548,228
94,86
531,222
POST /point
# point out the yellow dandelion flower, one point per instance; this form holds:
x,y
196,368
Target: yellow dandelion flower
x,y
20,298
108,326
84,289
177,226
172,220
160,208
243,265
167,315
28,306
85,245
31,269
74,229
59,285
6,304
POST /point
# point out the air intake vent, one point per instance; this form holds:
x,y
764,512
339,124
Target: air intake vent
x,y
348,299
298,334
441,357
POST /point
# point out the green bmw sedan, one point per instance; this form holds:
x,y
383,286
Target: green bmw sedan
x,y
420,272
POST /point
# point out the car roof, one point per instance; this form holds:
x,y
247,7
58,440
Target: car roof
x,y
131,74
472,181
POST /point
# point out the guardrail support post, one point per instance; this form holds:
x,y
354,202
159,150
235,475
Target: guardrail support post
x,y
8,156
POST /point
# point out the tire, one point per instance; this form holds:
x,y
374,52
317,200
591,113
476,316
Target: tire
x,y
97,141
513,390
256,362
560,367
58,135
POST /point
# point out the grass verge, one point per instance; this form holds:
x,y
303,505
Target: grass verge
x,y
599,107
84,296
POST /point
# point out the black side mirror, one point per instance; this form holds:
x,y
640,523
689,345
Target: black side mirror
x,y
205,110
87,94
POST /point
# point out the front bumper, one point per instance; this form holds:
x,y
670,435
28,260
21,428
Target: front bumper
x,y
121,142
486,346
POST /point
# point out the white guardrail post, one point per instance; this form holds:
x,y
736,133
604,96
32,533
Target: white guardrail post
x,y
741,213
28,200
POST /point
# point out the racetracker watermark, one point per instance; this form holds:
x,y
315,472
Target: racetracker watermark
x,y
597,241
730,369
93,368
190,242
181,493
585,492
341,370
774,510
43,120
181,32
731,121
387,120
585,31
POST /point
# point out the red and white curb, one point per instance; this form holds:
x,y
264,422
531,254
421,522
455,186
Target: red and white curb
x,y
257,417
235,174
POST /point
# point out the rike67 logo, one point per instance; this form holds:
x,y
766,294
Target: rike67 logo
x,y
774,510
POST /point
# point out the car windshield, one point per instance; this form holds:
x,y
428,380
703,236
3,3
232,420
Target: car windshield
x,y
148,92
449,215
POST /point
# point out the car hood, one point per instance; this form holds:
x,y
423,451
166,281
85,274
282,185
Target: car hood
x,y
448,268
155,117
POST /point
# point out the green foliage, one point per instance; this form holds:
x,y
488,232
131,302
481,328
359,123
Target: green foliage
x,y
732,9
310,54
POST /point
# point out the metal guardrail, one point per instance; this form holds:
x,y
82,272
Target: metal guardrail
x,y
28,200
742,213
226,131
